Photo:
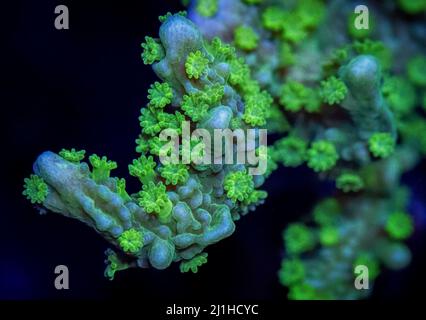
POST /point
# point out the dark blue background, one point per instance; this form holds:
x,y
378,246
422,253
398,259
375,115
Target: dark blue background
x,y
83,88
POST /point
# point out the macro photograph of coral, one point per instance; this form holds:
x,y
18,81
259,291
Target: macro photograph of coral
x,y
214,151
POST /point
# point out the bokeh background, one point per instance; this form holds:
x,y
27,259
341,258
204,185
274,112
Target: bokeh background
x,y
84,88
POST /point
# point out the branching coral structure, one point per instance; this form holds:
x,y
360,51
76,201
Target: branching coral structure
x,y
347,105
182,207
347,102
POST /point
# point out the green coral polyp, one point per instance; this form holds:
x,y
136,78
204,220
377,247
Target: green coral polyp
x,y
153,199
293,28
310,12
370,261
35,189
292,271
349,182
298,238
291,151
193,264
195,106
381,144
412,6
174,173
329,236
293,96
333,90
121,190
149,122
246,38
327,212
196,64
302,291
238,185
416,71
152,51
399,225
114,264
131,241
272,18
207,8
101,167
72,155
169,15
257,108
322,156
400,95
143,169
160,95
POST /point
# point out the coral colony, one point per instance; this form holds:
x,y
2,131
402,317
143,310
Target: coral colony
x,y
182,206
348,105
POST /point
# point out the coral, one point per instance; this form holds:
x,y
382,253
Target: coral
x,y
329,235
293,96
160,95
246,38
257,108
381,144
193,264
206,8
326,212
114,264
333,90
348,182
143,169
400,95
399,225
322,156
376,49
293,28
302,292
153,199
292,271
416,70
350,231
152,51
131,241
298,238
370,261
290,151
412,6
35,189
196,64
181,207
309,56
72,155
101,168
238,185
174,173
346,105
272,18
